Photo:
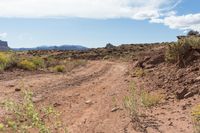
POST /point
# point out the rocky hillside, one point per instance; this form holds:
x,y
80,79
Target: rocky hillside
x,y
3,46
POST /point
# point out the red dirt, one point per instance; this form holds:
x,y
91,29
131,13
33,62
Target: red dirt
x,y
91,99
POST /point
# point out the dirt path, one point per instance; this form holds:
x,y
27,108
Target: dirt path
x,y
90,97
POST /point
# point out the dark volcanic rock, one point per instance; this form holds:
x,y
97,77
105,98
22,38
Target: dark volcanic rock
x,y
3,46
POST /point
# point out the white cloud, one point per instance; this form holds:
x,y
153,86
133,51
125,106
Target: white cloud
x,y
3,35
156,11
98,9
184,22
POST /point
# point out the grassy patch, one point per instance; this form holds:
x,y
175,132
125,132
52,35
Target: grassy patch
x,y
196,118
26,117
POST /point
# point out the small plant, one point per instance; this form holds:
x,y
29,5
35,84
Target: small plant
x,y
149,99
131,102
1,126
59,68
196,118
139,72
27,65
26,117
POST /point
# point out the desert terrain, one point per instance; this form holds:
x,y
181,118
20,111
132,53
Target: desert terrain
x,y
97,96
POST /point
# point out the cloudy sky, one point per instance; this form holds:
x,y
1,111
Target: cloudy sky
x,y
93,23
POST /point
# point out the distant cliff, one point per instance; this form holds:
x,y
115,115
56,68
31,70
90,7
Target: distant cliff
x,y
3,46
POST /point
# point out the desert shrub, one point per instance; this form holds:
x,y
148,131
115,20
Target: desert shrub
x,y
38,62
193,33
196,118
193,41
150,99
3,61
6,60
136,98
59,68
26,117
27,65
181,51
137,103
131,102
171,54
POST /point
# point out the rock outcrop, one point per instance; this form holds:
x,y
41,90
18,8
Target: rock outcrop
x,y
109,46
3,46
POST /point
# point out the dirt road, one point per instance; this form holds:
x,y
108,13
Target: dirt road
x,y
91,98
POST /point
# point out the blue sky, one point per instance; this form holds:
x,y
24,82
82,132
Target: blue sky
x,y
73,22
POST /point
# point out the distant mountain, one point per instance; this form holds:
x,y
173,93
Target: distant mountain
x,y
63,47
4,46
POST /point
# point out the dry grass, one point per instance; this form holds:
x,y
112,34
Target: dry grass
x,y
131,102
59,68
139,72
150,99
27,65
196,118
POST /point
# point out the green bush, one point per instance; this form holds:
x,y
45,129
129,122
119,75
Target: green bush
x,y
27,65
